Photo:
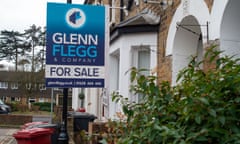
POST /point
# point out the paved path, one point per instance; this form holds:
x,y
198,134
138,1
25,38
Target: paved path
x,y
42,118
6,136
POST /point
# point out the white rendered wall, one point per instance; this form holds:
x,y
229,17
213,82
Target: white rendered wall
x,y
180,43
216,18
75,99
185,46
122,46
196,8
229,31
91,101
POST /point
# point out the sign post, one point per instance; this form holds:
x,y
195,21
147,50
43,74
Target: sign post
x,y
75,54
63,135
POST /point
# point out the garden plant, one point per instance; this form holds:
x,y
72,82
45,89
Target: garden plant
x,y
203,107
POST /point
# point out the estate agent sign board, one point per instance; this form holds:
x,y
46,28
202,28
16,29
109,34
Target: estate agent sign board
x,y
75,53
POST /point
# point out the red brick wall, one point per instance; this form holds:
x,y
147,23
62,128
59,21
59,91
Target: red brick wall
x,y
14,119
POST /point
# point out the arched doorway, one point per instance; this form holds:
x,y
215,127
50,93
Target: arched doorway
x,y
187,42
230,29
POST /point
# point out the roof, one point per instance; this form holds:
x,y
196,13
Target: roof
x,y
16,76
145,21
145,17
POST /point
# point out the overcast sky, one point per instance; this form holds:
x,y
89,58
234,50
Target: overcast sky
x,y
19,15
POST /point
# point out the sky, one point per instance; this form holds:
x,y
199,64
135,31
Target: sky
x,y
19,15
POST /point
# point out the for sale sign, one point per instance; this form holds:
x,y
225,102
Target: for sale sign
x,y
75,54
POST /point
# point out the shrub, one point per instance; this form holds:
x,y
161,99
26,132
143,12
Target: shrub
x,y
44,106
13,105
202,108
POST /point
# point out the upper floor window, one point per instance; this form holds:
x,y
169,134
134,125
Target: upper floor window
x,y
14,85
42,87
3,85
28,86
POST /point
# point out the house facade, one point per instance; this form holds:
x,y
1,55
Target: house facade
x,y
161,35
24,87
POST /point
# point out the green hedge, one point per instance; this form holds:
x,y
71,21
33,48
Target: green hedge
x,y
44,106
14,106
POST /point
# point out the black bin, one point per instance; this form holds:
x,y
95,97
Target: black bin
x,y
81,120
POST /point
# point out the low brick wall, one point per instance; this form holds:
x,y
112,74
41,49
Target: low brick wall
x,y
9,119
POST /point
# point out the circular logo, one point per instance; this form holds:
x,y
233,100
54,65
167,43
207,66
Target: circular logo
x,y
75,17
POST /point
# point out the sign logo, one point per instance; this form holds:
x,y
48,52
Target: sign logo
x,y
75,18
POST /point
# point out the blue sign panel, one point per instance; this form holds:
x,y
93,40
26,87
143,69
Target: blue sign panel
x,y
75,54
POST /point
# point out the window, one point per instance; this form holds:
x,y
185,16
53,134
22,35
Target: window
x,y
28,86
144,61
32,100
42,87
141,60
56,89
14,85
115,64
3,98
3,85
41,100
17,99
141,57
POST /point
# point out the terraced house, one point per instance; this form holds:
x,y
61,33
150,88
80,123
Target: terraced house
x,y
160,35
24,87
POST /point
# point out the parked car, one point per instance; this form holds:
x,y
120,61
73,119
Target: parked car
x,y
4,109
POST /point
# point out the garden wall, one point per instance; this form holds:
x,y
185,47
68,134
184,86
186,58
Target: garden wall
x,y
9,119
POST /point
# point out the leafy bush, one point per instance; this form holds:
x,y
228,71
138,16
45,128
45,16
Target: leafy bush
x,y
44,106
13,106
203,108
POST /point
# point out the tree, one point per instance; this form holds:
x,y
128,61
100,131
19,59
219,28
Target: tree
x,y
15,45
41,54
12,45
33,37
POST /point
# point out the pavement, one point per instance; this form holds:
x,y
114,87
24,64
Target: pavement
x,y
6,136
43,118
